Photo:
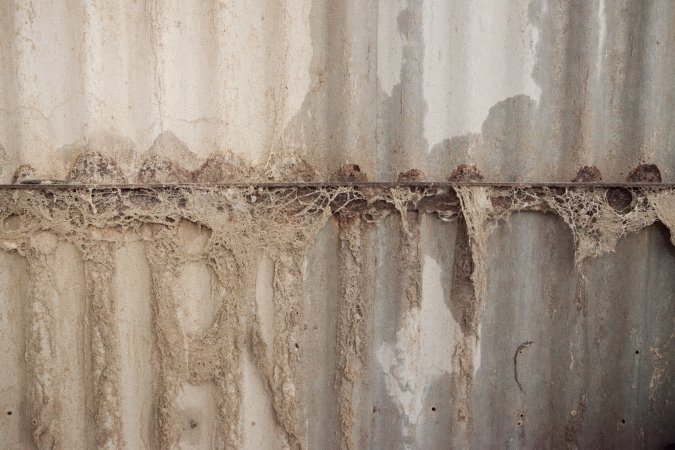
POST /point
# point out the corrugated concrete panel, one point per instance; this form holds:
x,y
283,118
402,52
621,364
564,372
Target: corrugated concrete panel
x,y
585,351
561,360
204,318
204,323
527,90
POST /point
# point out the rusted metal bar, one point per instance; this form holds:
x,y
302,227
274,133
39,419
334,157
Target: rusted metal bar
x,y
47,184
363,197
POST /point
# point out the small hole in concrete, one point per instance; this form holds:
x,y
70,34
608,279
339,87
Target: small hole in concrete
x,y
637,352
433,408
296,345
9,413
623,420
193,424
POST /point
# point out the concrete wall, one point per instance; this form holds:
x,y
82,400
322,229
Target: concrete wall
x,y
527,90
188,326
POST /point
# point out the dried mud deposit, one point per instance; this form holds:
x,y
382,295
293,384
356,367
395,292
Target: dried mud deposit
x,y
241,225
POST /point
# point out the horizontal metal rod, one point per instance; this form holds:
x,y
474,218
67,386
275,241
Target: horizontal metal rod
x,y
332,184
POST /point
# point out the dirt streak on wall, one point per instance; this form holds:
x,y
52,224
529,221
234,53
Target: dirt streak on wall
x,y
244,223
285,370
404,378
465,308
216,357
170,338
44,409
101,323
355,312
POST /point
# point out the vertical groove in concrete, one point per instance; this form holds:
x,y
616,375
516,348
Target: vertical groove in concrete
x,y
132,290
14,291
411,268
319,357
405,379
353,316
44,412
410,260
466,307
101,321
387,419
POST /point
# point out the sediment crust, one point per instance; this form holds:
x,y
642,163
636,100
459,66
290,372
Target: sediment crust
x,y
42,397
101,322
354,313
245,222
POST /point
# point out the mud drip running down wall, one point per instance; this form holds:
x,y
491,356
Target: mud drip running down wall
x,y
215,347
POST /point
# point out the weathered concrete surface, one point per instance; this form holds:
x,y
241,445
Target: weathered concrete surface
x,y
526,89
242,318
588,375
407,332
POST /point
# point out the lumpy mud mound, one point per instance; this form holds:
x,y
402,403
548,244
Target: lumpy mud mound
x,y
621,199
598,218
645,173
223,167
168,146
93,167
464,173
23,173
351,173
161,170
220,167
168,160
464,296
587,174
411,175
289,168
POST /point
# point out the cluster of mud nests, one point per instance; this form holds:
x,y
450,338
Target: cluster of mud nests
x,y
93,167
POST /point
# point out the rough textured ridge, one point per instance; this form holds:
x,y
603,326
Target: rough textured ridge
x,y
101,320
171,341
43,388
354,313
